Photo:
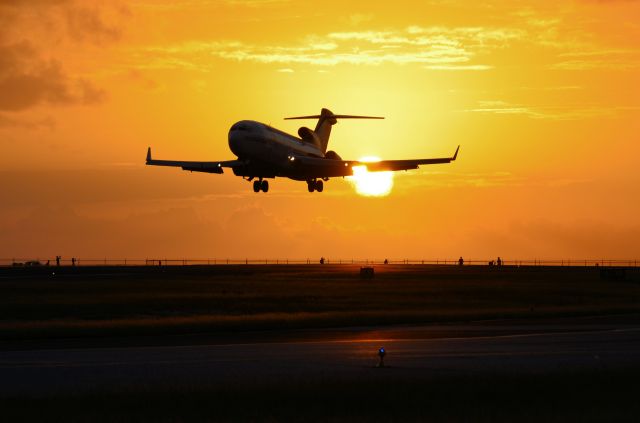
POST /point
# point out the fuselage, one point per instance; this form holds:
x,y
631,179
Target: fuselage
x,y
267,151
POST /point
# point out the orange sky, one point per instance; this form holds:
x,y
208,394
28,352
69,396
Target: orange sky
x,y
543,97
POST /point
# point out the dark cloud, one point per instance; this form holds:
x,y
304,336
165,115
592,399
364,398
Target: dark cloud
x,y
85,24
30,71
27,80
80,21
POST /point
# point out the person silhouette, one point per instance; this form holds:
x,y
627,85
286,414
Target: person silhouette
x,y
460,261
321,260
386,261
499,261
58,260
73,261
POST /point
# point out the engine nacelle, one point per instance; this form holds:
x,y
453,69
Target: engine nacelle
x,y
307,135
332,155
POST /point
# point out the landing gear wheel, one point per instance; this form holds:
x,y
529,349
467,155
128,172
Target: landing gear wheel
x,y
264,186
256,186
319,186
311,186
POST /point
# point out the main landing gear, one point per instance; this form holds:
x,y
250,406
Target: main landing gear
x,y
261,185
315,185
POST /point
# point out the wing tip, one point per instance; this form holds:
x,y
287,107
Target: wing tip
x,y
148,154
455,155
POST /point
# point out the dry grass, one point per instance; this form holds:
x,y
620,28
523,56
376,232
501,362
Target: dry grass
x,y
99,301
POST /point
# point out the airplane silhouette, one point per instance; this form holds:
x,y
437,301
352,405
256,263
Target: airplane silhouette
x,y
265,152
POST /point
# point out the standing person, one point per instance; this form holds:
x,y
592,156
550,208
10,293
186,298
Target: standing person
x,y
321,260
73,261
58,261
499,261
460,261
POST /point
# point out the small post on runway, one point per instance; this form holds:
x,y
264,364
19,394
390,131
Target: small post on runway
x,y
381,354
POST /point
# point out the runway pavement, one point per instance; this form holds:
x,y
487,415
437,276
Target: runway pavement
x,y
270,358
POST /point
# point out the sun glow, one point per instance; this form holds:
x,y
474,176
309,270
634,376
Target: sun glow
x,y
371,184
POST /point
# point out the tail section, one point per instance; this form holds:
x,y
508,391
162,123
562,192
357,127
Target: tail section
x,y
323,128
326,119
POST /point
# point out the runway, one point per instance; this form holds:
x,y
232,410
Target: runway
x,y
486,348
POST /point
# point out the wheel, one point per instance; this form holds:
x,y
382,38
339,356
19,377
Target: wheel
x,y
256,186
265,186
311,186
319,185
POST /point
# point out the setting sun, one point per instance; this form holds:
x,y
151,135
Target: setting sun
x,y
371,184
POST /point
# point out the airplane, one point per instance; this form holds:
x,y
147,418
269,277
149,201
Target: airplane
x,y
265,152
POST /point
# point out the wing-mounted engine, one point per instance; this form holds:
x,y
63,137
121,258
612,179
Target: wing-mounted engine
x,y
332,155
309,136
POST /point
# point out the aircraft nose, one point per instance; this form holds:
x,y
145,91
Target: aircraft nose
x,y
234,142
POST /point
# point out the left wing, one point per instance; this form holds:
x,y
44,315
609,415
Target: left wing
x,y
208,167
320,168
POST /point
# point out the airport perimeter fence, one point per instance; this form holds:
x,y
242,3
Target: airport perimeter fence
x,y
29,262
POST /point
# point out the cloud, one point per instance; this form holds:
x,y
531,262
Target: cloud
x,y
31,71
608,59
72,19
459,67
611,59
27,80
255,3
611,64
88,24
437,48
7,121
355,19
568,112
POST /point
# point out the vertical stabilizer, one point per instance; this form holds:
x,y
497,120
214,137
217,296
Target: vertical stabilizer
x,y
323,128
326,119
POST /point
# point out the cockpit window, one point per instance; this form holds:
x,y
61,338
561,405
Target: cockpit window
x,y
240,127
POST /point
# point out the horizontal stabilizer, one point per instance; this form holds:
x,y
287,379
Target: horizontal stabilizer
x,y
334,116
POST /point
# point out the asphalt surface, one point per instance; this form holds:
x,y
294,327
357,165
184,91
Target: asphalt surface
x,y
483,348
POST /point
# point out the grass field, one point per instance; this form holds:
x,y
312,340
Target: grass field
x,y
51,302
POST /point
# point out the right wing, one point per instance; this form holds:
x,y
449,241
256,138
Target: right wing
x,y
319,167
208,167
395,165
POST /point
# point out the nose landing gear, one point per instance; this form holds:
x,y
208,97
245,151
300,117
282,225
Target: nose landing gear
x,y
261,185
315,185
